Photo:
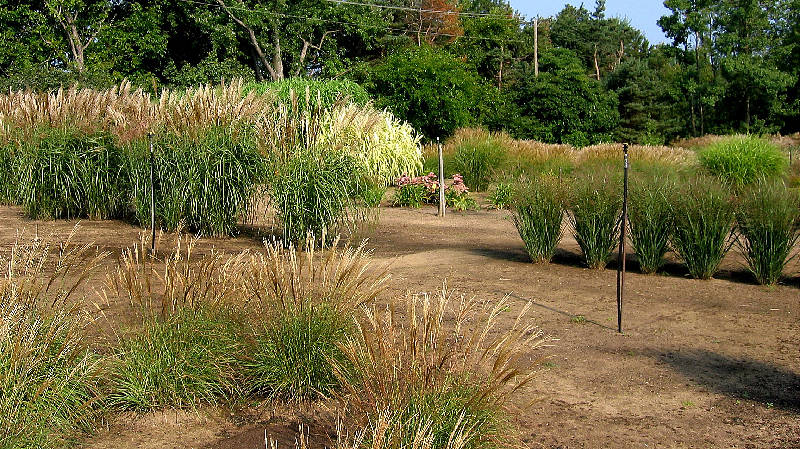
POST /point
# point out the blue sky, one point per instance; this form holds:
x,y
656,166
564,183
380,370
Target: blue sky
x,y
643,14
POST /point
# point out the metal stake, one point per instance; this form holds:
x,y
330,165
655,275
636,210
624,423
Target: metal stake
x,y
152,200
441,180
621,264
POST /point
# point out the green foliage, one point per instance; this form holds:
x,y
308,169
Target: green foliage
x,y
183,360
49,381
63,174
459,201
314,193
203,183
502,196
294,353
538,214
312,93
650,217
594,207
478,162
8,182
372,195
767,221
410,195
429,88
562,104
741,160
702,218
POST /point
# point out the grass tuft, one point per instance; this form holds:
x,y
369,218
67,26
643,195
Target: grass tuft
x,y
594,210
538,213
650,217
741,160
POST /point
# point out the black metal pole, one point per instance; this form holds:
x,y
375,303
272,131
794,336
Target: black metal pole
x,y
442,204
622,229
152,200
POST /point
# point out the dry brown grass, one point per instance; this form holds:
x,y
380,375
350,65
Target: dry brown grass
x,y
694,143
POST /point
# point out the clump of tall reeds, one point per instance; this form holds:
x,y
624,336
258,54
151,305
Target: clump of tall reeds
x,y
650,217
767,223
703,216
452,380
741,160
594,207
538,213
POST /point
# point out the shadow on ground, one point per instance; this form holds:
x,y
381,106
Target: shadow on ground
x,y
740,378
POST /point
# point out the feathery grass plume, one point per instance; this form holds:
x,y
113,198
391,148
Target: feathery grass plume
x,y
49,380
594,206
648,154
741,160
440,367
188,347
767,223
538,212
703,215
650,217
303,305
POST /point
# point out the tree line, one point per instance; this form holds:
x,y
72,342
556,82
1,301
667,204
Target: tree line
x,y
578,77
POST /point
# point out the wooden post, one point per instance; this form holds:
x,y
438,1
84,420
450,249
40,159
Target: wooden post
x,y
152,200
441,180
536,47
621,264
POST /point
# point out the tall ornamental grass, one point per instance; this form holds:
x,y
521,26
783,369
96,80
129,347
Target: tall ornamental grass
x,y
478,161
205,184
650,217
767,223
50,381
538,212
595,203
303,305
63,174
703,216
740,160
454,380
8,181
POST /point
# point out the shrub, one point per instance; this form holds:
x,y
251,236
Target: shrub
x,y
538,212
478,162
650,217
49,380
456,195
303,305
62,174
741,160
594,208
702,217
426,372
502,196
767,221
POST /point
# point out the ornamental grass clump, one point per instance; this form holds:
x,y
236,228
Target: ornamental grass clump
x,y
703,216
440,367
50,381
594,207
187,348
650,217
63,174
767,223
303,306
538,212
741,160
478,161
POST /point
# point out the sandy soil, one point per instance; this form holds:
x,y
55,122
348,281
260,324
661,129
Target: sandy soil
x,y
701,364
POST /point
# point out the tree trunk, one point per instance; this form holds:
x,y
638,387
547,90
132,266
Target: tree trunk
x,y
273,73
596,67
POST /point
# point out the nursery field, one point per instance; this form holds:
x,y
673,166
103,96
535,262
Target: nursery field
x,y
702,363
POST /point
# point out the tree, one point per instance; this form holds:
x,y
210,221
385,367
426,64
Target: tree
x,y
429,88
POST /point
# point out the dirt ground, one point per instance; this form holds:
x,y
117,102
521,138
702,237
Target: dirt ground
x,y
701,364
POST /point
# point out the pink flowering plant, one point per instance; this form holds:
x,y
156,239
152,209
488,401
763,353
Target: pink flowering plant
x,y
414,192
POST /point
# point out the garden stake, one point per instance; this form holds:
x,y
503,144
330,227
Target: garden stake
x,y
152,200
441,180
621,264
